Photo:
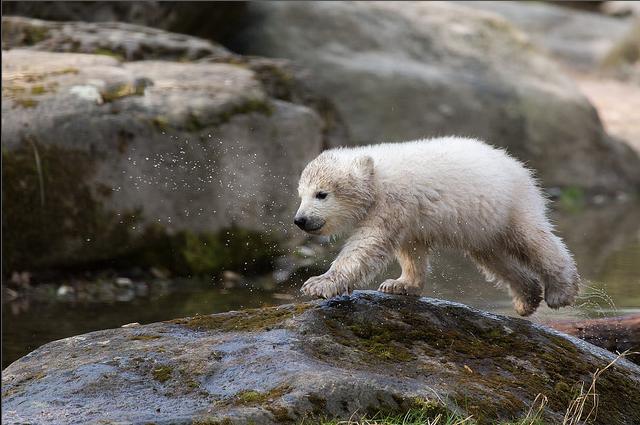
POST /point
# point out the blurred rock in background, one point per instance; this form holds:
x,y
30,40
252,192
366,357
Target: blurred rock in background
x,y
125,144
411,70
180,162
211,20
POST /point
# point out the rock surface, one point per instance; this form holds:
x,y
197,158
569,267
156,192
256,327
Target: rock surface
x,y
211,20
410,70
127,41
95,151
578,38
363,353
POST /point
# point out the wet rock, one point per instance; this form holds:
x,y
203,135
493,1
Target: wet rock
x,y
411,70
363,353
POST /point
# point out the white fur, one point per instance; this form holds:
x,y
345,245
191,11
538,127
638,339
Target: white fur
x,y
404,199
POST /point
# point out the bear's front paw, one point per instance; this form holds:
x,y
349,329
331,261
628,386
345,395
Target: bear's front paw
x,y
322,286
399,287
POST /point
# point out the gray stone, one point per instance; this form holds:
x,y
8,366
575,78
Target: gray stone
x,y
578,38
121,40
210,20
102,148
361,353
399,71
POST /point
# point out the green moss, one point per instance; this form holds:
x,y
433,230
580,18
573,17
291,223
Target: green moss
x,y
13,90
509,368
160,122
123,90
36,90
37,77
194,122
162,373
108,52
40,89
190,253
34,34
212,421
277,80
54,215
379,343
280,414
572,199
251,397
26,102
430,407
429,412
51,213
247,107
144,337
67,70
319,404
246,320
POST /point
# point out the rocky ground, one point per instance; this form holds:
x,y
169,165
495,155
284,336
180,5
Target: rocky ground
x,y
364,353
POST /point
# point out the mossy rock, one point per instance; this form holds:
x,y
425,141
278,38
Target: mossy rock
x,y
55,215
51,210
183,166
365,355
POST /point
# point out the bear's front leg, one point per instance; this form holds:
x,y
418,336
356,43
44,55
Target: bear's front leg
x,y
364,256
413,259
324,286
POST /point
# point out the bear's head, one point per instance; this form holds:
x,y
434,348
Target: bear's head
x,y
336,192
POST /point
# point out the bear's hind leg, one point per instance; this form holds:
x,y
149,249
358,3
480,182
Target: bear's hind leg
x,y
524,284
413,260
532,241
545,253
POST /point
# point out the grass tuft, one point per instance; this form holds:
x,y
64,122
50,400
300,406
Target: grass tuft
x,y
584,407
412,417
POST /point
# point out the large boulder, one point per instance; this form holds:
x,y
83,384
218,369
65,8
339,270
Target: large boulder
x,y
126,41
212,20
133,162
580,39
399,71
360,354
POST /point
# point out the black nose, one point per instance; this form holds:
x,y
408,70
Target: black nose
x,y
300,222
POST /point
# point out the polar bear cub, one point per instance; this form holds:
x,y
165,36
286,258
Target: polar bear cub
x,y
403,200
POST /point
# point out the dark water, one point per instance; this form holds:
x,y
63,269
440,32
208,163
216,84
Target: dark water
x,y
605,240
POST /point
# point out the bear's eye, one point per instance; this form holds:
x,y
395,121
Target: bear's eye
x,y
321,195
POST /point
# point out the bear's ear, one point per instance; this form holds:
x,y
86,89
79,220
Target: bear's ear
x,y
364,166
